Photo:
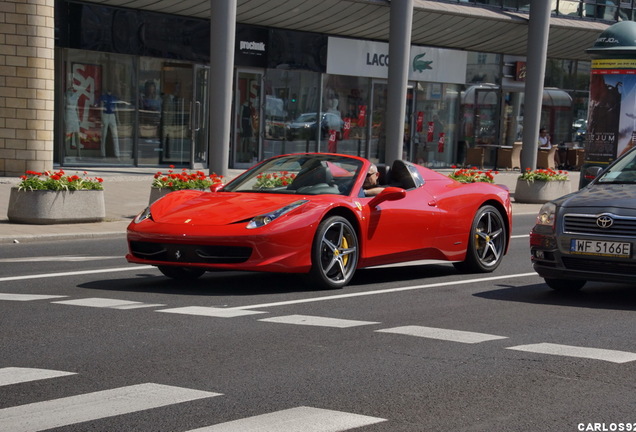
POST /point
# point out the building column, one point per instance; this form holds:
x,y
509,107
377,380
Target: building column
x,y
27,82
538,31
222,42
401,22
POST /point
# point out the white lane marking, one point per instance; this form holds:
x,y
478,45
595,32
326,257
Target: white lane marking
x,y
443,334
300,419
317,321
76,273
27,297
92,406
580,352
15,375
107,303
385,291
64,258
520,236
210,311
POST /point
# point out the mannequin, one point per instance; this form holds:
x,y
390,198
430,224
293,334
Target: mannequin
x,y
72,119
334,122
109,122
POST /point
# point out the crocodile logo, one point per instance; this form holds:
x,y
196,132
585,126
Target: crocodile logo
x,y
420,65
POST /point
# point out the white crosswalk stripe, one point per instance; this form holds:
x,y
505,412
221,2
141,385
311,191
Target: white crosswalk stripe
x,y
92,406
27,297
107,303
300,419
317,321
211,311
443,334
579,352
16,375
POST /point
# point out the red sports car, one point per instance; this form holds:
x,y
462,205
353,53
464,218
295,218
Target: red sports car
x,y
308,213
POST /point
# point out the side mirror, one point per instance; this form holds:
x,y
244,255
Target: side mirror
x,y
592,172
388,194
216,187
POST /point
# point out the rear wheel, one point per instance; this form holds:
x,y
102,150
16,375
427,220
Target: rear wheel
x,y
181,273
565,285
334,253
487,242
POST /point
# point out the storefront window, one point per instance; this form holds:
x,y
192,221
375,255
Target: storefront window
x,y
345,104
99,108
150,107
436,113
292,99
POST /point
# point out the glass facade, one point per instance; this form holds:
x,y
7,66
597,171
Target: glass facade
x,y
134,104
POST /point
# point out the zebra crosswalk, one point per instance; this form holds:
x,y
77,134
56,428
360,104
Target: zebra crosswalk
x,y
94,406
449,335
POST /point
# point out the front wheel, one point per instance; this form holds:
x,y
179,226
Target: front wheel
x,y
334,253
565,285
181,273
487,242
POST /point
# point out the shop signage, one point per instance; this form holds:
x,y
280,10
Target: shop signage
x,y
371,59
251,47
610,116
520,71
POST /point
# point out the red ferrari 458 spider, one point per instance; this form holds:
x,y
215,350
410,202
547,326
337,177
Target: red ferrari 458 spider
x,y
308,213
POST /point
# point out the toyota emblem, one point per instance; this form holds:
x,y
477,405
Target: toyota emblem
x,y
604,221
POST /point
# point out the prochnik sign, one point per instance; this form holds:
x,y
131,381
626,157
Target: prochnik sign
x,y
371,59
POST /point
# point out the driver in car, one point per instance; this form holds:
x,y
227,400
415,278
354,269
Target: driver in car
x,y
371,186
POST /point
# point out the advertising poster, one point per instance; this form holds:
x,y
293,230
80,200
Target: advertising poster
x,y
612,109
87,82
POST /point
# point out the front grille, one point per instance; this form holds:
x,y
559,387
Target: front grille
x,y
600,266
586,224
204,254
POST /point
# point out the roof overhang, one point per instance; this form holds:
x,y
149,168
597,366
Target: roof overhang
x,y
440,24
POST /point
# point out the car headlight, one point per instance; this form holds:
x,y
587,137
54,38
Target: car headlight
x,y
547,215
264,219
143,215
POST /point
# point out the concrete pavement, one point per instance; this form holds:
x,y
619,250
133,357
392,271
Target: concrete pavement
x,y
126,193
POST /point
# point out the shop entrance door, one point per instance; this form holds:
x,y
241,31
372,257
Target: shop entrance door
x,y
247,119
200,115
184,119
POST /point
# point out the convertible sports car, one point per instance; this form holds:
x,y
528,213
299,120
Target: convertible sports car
x,y
307,213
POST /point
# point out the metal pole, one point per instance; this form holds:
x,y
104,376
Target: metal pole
x,y
401,22
538,31
222,37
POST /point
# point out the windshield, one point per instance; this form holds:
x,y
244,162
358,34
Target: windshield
x,y
306,174
306,118
623,171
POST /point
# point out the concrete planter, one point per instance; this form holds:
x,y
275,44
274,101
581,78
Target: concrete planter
x,y
46,207
539,192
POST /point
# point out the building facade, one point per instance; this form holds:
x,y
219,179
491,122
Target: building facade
x,y
129,87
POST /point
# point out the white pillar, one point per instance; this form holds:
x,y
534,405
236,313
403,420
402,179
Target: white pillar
x,y
222,36
401,22
538,31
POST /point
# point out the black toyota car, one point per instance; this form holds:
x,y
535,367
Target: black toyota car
x,y
589,235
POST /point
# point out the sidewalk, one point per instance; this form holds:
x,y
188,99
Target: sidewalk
x,y
126,193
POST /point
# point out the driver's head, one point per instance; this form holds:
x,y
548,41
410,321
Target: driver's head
x,y
372,176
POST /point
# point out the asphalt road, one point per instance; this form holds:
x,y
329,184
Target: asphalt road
x,y
89,342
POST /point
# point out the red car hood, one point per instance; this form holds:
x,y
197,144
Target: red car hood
x,y
215,208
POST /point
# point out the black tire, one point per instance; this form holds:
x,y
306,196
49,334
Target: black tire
x,y
181,273
334,253
565,285
486,242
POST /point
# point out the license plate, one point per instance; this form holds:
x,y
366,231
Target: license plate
x,y
600,248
